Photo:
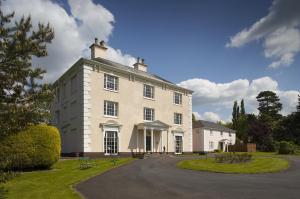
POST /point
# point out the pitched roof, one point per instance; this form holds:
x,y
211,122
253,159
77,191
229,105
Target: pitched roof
x,y
211,125
136,71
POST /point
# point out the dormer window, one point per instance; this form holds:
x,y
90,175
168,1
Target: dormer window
x,y
111,82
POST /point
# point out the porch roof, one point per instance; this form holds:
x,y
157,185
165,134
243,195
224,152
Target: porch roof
x,y
156,125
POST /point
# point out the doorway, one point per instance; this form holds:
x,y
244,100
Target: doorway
x,y
148,143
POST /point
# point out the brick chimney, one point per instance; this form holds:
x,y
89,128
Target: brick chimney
x,y
140,65
98,49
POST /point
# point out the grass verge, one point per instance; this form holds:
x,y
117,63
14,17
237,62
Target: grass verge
x,y
56,183
257,165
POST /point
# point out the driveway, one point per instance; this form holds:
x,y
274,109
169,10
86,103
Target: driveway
x,y
158,178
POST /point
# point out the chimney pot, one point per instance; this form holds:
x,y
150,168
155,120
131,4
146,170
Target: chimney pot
x,y
143,61
102,43
96,40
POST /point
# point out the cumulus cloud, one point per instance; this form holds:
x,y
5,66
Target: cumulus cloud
x,y
279,30
74,32
211,94
208,116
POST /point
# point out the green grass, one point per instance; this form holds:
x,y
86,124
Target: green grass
x,y
56,183
257,165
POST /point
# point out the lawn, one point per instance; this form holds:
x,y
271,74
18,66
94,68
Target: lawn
x,y
259,164
57,183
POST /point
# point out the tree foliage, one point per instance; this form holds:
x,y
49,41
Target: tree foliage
x,y
298,105
269,104
243,112
24,99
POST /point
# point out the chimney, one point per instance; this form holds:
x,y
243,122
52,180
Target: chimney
x,y
98,49
140,65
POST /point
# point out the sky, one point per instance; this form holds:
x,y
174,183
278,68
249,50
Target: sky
x,y
222,50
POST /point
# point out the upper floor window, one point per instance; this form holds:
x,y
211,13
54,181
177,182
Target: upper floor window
x,y
148,91
177,118
148,114
73,84
64,89
110,108
229,134
177,98
221,133
211,133
111,82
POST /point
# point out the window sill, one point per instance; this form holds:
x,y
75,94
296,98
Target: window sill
x,y
177,124
148,98
177,104
110,116
114,91
148,120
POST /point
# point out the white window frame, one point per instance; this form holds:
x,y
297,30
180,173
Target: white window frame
x,y
178,118
211,145
111,82
211,133
148,93
110,129
178,134
107,109
146,114
179,100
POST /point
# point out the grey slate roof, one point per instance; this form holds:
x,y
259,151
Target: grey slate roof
x,y
211,126
133,70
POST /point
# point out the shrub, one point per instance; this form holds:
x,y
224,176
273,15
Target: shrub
x,y
217,151
233,158
286,148
38,147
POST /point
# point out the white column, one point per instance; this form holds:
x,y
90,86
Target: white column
x,y
144,140
137,141
161,141
152,141
167,141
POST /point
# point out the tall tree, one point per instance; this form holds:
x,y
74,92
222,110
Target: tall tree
x,y
234,114
193,117
238,113
243,112
298,106
24,99
269,104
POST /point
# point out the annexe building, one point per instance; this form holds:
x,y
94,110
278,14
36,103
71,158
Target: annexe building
x,y
210,136
106,108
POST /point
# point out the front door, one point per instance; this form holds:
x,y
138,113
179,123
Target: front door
x,y
148,143
178,144
221,144
111,143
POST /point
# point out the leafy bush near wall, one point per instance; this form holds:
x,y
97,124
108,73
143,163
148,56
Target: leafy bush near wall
x,y
38,147
286,148
233,158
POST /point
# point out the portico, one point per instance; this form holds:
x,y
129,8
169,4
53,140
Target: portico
x,y
152,137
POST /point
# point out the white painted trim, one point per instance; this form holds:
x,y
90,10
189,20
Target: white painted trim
x,y
86,109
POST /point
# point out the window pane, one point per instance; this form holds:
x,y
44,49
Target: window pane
x,y
110,82
110,108
148,91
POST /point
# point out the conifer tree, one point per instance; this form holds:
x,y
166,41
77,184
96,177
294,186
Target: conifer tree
x,y
24,99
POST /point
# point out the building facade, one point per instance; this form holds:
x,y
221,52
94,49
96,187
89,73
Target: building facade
x,y
105,108
209,136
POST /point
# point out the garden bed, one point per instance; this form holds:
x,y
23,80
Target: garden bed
x,y
256,165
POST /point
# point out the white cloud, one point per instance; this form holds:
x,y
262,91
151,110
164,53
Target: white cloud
x,y
208,116
279,30
73,32
221,95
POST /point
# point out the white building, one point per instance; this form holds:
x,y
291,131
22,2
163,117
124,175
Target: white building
x,y
209,136
104,108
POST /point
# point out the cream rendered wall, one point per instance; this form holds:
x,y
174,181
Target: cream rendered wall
x,y
131,106
70,107
198,140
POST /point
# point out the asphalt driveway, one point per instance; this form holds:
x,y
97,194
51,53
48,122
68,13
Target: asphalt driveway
x,y
158,178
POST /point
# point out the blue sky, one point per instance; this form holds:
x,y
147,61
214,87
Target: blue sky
x,y
185,42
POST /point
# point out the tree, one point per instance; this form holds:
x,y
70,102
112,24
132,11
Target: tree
x,y
243,112
24,99
193,117
269,105
234,114
298,106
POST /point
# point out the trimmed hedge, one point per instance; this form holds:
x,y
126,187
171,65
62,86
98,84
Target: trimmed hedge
x,y
38,147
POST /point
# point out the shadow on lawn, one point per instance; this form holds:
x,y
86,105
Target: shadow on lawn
x,y
3,192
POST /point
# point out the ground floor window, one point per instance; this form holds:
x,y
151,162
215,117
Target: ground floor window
x,y
211,145
111,142
178,144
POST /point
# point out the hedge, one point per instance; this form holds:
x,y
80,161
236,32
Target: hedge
x,y
38,147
